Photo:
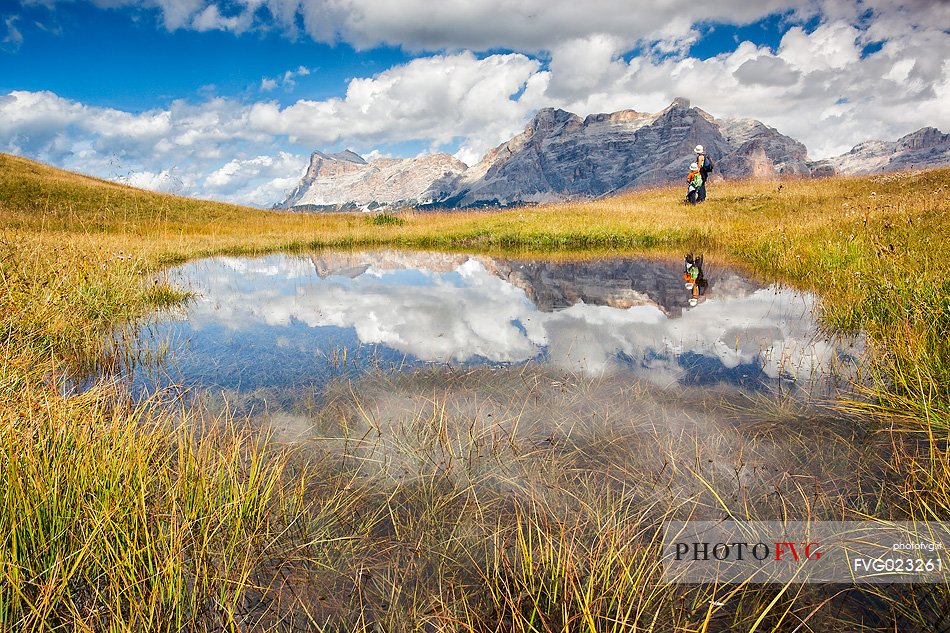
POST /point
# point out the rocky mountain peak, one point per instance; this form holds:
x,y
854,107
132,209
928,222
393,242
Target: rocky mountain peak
x,y
559,156
331,165
923,138
346,155
347,181
679,103
927,147
551,119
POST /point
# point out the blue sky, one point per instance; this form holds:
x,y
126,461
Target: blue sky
x,y
126,59
226,100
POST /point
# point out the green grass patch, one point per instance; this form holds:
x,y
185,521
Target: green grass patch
x,y
386,219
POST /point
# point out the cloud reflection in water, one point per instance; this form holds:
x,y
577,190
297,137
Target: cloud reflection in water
x,y
449,308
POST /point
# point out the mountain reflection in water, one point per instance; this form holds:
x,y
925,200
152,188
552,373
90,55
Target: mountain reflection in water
x,y
287,320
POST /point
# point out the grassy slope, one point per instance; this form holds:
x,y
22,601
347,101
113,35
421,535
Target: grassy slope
x,y
148,504
871,247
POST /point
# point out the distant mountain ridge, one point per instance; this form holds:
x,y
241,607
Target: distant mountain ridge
x,y
927,147
346,181
560,156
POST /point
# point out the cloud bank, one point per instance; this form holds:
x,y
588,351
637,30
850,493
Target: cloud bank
x,y
841,74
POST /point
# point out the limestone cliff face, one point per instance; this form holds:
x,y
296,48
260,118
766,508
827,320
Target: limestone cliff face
x,y
326,168
346,181
560,156
761,152
927,147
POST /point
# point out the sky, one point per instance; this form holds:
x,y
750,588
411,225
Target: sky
x,y
226,99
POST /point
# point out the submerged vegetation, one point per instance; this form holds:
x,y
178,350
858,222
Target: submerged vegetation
x,y
453,505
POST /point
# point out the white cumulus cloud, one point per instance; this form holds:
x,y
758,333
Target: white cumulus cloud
x,y
260,181
434,98
527,25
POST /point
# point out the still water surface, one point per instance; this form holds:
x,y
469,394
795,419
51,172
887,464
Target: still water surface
x,y
301,321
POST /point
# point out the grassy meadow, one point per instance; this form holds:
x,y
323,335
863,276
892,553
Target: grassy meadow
x,y
414,512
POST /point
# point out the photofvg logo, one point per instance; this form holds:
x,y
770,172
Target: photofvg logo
x,y
807,552
742,550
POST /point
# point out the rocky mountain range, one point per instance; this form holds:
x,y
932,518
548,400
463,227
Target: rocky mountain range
x,y
927,147
615,282
346,181
560,156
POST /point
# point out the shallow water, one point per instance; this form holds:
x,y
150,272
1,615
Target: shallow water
x,y
523,377
287,322
462,393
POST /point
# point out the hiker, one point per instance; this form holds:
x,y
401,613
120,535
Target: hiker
x,y
705,164
693,182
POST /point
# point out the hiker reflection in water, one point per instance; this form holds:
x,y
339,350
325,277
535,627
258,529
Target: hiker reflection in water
x,y
693,276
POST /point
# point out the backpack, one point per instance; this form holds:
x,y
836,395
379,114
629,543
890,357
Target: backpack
x,y
707,163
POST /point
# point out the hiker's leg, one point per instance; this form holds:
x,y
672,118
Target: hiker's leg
x,y
701,192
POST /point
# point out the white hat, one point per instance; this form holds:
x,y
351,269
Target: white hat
x,y
693,167
699,149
